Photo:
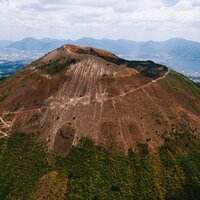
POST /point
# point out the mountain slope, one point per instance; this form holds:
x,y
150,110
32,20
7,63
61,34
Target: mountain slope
x,y
82,123
27,171
76,92
4,43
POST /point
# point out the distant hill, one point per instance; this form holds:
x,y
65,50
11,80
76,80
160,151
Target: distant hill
x,y
4,43
180,54
35,44
174,46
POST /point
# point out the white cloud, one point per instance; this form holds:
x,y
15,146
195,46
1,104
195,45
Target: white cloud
x,y
132,19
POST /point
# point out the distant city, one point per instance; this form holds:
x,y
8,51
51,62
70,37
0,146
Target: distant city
x,y
13,61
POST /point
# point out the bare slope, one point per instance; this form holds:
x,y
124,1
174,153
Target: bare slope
x,y
76,92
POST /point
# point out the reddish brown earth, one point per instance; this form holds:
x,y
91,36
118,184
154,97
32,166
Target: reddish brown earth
x,y
116,103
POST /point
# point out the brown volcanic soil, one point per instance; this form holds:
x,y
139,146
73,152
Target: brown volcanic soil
x,y
95,94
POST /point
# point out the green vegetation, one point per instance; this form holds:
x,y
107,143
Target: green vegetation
x,y
180,157
2,79
57,66
27,171
14,107
22,163
50,186
2,97
148,68
33,118
159,118
180,82
152,70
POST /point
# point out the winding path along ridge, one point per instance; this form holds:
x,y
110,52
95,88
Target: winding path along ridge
x,y
103,100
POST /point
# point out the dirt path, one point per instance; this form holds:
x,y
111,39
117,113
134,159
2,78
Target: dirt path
x,y
103,100
139,88
4,134
4,123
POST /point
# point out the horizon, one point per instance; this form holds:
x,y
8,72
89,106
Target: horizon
x,y
139,20
93,38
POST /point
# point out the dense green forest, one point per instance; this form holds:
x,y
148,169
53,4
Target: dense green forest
x,y
28,171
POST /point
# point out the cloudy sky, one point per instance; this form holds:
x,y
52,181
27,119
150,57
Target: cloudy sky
x,y
127,19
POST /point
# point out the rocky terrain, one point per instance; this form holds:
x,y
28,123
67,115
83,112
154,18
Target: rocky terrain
x,y
75,92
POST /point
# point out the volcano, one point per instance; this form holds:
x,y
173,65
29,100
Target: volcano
x,y
81,92
82,123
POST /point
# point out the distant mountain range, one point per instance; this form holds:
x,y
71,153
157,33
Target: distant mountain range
x,y
180,54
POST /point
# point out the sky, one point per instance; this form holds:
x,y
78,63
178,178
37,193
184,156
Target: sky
x,y
126,19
